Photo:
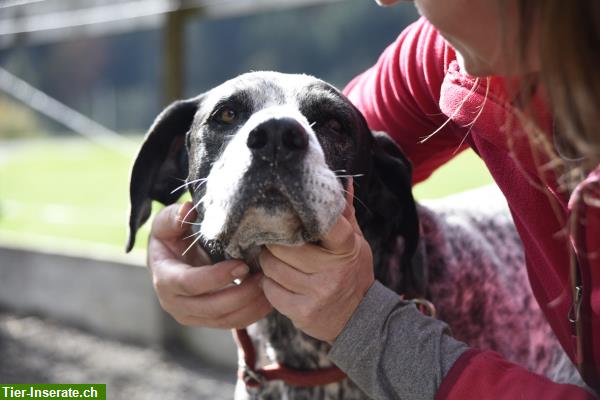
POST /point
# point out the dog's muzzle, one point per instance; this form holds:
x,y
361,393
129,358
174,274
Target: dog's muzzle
x,y
271,185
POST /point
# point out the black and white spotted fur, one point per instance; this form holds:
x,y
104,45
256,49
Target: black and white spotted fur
x,y
266,157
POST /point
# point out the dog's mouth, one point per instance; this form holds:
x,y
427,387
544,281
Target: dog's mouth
x,y
272,197
269,207
273,216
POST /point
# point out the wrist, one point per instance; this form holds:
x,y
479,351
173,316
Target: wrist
x,y
353,305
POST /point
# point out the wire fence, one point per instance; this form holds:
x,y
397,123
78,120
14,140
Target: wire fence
x,y
63,114
55,19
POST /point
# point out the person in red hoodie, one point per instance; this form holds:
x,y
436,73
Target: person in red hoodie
x,y
518,82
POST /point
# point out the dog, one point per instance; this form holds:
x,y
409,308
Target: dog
x,y
267,159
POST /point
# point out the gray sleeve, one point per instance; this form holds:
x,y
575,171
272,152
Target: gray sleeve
x,y
392,351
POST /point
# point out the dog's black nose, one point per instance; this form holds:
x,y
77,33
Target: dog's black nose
x,y
281,139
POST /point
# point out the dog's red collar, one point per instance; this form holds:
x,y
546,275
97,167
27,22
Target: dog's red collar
x,y
255,377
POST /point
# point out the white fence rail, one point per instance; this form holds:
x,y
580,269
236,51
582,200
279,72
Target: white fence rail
x,y
55,20
59,112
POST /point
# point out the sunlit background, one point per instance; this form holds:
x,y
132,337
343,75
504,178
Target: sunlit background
x,y
57,182
80,82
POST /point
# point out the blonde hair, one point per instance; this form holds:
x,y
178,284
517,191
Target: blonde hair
x,y
568,46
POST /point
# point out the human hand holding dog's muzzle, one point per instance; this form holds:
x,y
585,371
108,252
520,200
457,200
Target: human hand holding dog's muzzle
x,y
320,286
192,290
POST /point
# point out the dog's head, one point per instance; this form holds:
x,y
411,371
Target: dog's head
x,y
266,158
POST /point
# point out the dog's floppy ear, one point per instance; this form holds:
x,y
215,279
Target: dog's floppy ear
x,y
394,201
161,164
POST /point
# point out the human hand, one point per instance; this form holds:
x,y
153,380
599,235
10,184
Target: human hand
x,y
319,286
192,290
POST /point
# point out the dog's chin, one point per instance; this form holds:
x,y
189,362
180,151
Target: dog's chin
x,y
278,220
261,225
274,214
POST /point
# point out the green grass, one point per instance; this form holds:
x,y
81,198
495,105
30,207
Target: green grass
x,y
65,189
76,190
465,171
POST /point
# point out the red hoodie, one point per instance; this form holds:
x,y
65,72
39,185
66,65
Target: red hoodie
x,y
415,88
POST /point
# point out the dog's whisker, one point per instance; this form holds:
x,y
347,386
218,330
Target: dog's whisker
x,y
187,214
188,223
192,245
192,209
357,199
350,176
191,236
202,180
199,180
200,184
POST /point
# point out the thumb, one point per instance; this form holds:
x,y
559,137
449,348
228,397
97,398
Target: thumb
x,y
349,211
172,221
341,237
170,236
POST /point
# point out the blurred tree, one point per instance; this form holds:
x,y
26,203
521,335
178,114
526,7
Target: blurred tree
x,y
333,42
116,79
16,121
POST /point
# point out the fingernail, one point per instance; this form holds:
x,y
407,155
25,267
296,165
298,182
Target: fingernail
x,y
241,271
180,213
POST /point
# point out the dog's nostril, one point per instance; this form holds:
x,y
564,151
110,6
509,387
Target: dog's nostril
x,y
294,138
257,139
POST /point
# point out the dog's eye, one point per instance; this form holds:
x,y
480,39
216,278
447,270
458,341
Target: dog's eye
x,y
333,125
226,115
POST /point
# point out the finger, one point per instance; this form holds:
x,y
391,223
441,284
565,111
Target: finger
x,y
349,211
217,304
281,299
249,314
169,223
305,258
340,240
161,250
312,258
158,251
341,237
240,318
349,197
285,275
169,237
178,278
187,213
